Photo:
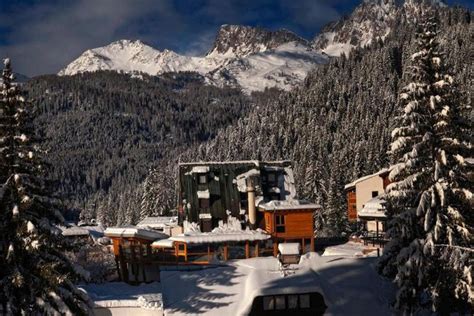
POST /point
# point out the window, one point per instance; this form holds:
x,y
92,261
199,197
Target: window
x,y
202,178
268,303
375,193
280,223
292,301
280,302
203,203
271,177
304,301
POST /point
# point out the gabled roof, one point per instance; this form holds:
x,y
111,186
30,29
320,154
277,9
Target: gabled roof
x,y
134,232
374,207
378,173
235,162
288,205
158,221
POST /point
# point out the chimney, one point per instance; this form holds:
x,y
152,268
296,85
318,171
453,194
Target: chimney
x,y
251,201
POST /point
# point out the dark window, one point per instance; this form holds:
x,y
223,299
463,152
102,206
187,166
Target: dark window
x,y
292,301
375,193
280,223
280,302
203,203
268,303
181,247
304,301
271,177
274,197
202,178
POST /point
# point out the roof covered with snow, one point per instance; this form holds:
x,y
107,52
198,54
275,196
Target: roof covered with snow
x,y
219,237
158,221
288,205
350,286
94,231
134,232
374,207
235,162
378,173
291,248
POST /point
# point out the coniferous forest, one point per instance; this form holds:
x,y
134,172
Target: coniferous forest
x,y
335,128
104,147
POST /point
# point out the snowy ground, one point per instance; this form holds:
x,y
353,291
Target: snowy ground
x,y
120,294
349,285
350,249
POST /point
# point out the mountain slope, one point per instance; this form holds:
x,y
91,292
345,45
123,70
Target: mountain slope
x,y
246,57
371,20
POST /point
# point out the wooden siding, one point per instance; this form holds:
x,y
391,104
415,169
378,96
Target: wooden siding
x,y
386,181
298,223
351,206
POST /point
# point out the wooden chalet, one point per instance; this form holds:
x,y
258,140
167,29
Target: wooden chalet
x,y
288,221
226,210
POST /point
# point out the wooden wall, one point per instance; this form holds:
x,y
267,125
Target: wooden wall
x,y
298,223
351,206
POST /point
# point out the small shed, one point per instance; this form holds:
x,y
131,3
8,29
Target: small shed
x,y
289,253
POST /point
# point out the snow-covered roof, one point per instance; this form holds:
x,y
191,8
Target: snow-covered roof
x,y
288,205
134,232
350,286
241,179
121,294
74,231
200,169
219,237
95,232
163,243
236,162
374,207
291,248
158,221
378,173
348,249
203,194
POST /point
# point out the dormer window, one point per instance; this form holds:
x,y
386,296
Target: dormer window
x,y
202,178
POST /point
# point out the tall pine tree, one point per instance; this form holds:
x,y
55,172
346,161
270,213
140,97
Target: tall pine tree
x,y
35,275
431,221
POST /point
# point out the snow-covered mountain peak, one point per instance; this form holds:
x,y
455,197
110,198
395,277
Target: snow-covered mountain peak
x,y
371,20
241,41
248,57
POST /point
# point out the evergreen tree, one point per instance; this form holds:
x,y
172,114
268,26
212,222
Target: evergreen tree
x,y
35,275
431,221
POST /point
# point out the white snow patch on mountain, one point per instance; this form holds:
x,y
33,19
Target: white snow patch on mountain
x,y
282,67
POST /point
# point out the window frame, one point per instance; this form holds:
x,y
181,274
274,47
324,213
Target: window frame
x,y
202,176
280,223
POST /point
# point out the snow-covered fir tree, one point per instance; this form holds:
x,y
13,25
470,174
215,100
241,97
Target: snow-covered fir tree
x,y
431,221
35,275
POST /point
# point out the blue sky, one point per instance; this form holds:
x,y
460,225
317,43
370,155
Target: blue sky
x,y
42,36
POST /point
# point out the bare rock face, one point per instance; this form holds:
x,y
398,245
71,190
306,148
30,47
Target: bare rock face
x,y
241,41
